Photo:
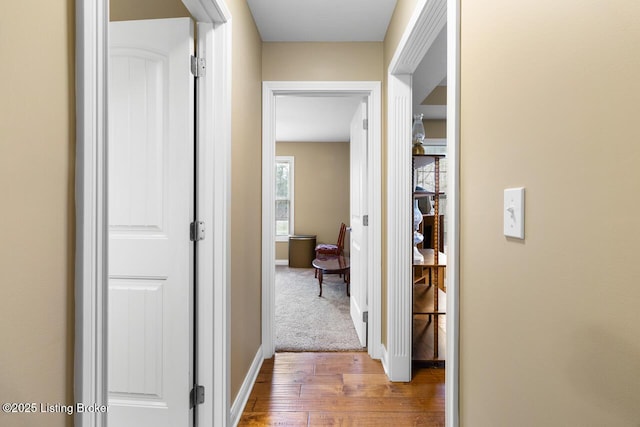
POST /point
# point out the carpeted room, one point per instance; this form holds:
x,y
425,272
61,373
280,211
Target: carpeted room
x,y
307,322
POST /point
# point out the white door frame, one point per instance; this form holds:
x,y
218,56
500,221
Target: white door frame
x,y
371,90
428,20
214,136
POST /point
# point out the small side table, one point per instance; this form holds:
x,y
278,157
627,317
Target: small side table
x,y
301,250
333,265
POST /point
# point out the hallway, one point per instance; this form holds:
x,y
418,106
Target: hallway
x,y
347,389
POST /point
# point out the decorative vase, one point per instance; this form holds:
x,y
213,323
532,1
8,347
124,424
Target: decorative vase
x,y
418,134
417,237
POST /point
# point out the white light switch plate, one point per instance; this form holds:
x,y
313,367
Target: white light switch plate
x,y
514,212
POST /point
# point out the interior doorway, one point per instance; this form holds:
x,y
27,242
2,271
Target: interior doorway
x,y
319,174
214,103
370,91
426,24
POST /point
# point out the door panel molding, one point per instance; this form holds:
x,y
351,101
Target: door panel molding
x,y
372,91
90,386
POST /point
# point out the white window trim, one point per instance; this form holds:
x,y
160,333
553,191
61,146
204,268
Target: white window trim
x,y
292,196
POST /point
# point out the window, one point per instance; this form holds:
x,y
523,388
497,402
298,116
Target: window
x,y
284,197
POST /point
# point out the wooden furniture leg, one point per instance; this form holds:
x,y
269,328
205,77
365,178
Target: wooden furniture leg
x,y
319,280
347,279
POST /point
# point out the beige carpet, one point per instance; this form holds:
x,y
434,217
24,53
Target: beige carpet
x,y
307,322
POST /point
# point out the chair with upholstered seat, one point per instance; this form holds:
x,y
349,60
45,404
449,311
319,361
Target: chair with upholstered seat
x,y
329,249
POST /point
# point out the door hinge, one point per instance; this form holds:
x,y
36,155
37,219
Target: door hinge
x,y
365,220
365,124
196,231
198,66
365,316
196,396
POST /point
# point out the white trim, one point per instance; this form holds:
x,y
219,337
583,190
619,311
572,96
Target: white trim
x,y
282,262
212,11
245,390
91,207
268,217
372,91
214,189
384,359
292,196
428,20
399,225
220,64
452,373
90,384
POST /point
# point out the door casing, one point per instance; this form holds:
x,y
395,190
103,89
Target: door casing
x,y
372,91
427,21
214,139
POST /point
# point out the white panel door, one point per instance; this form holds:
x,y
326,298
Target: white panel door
x,y
151,199
358,236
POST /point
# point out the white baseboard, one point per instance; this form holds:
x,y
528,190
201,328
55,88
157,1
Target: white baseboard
x,y
243,395
282,262
385,359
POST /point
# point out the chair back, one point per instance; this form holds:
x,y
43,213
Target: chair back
x,y
340,244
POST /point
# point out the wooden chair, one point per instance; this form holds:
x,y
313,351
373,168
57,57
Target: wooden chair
x,y
329,249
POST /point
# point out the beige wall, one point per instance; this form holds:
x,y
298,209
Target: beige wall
x,y
246,194
124,10
322,61
401,15
321,190
549,326
562,347
37,227
435,128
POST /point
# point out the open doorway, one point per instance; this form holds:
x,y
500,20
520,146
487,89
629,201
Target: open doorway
x,y
430,21
312,197
370,92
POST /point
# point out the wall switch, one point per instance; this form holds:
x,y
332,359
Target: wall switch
x,y
514,212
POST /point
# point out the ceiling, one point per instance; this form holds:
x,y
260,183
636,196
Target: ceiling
x,y
306,118
314,118
322,20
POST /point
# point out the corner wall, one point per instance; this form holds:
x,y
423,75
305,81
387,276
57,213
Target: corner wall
x,y
549,325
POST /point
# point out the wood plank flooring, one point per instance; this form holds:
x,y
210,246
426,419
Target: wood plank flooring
x,y
341,389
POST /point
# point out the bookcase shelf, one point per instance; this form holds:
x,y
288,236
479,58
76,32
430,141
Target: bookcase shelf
x,y
428,288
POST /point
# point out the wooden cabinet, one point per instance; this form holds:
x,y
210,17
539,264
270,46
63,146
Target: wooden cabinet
x,y
429,291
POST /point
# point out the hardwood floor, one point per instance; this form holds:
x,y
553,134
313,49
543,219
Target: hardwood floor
x,y
341,389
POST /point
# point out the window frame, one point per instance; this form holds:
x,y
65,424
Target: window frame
x,y
291,161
